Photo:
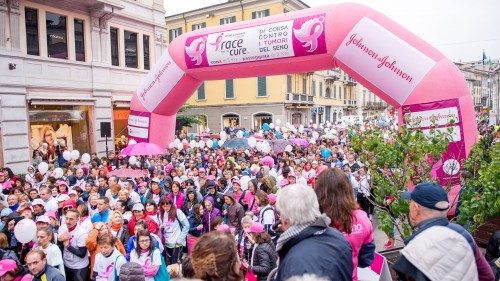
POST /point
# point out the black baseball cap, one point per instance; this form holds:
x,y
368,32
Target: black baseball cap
x,y
430,195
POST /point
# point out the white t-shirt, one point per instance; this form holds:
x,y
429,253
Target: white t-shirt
x,y
54,257
172,229
146,260
135,197
86,225
78,238
51,205
266,215
105,266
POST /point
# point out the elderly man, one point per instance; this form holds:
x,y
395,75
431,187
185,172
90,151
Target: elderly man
x,y
50,202
438,250
39,269
307,244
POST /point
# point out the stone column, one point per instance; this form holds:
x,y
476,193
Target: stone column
x,y
103,26
95,39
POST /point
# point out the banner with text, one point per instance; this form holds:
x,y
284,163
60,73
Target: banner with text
x,y
139,125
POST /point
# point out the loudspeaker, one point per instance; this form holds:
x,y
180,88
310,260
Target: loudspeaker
x,y
105,129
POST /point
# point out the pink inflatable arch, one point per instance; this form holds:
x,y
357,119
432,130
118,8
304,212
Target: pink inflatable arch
x,y
386,58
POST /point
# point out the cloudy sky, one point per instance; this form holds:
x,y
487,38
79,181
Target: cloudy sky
x,y
461,29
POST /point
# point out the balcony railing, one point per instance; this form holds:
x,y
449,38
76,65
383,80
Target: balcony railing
x,y
351,103
350,81
375,105
332,75
297,98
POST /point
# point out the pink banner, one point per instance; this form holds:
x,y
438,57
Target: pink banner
x,y
302,36
442,112
139,124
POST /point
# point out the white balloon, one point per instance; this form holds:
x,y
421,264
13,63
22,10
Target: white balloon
x,y
177,141
58,173
315,126
43,167
315,135
221,143
193,144
223,136
271,125
185,141
259,146
288,148
201,144
132,160
285,136
171,145
244,182
180,146
247,152
252,142
75,154
301,129
207,130
25,230
287,124
277,128
266,148
86,158
210,143
239,134
132,141
312,140
67,155
278,122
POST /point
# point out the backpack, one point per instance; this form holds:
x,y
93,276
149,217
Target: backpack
x,y
268,227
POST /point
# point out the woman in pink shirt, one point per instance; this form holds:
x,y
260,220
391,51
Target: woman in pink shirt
x,y
336,199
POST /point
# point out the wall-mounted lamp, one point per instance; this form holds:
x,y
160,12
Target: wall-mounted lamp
x,y
12,66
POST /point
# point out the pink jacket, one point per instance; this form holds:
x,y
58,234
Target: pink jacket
x,y
361,233
179,199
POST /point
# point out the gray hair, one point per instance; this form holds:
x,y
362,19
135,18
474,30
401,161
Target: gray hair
x,y
246,219
298,204
307,277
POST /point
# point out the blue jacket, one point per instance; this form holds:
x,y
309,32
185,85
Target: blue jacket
x,y
193,224
319,250
98,217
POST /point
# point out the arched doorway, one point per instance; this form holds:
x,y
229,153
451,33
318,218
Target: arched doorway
x,y
260,118
230,120
203,124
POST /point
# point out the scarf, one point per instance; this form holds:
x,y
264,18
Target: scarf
x,y
14,207
157,191
290,233
116,227
114,196
152,213
70,229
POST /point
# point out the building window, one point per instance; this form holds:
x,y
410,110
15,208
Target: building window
x,y
198,26
57,38
340,93
31,16
296,118
304,85
314,88
289,83
320,89
201,92
130,49
227,20
113,34
328,111
334,92
260,14
173,33
328,93
261,86
286,11
230,120
145,44
79,40
230,89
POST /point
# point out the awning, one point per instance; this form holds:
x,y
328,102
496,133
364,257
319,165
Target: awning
x,y
59,99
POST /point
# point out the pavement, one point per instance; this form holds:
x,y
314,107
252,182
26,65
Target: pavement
x,y
381,238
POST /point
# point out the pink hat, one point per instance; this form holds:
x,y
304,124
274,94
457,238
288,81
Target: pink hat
x,y
225,228
236,182
51,215
235,178
211,178
44,219
256,227
284,182
272,198
321,169
292,174
1,174
268,160
72,192
201,170
7,265
59,183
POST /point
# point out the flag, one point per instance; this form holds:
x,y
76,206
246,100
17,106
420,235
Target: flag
x,y
484,56
491,66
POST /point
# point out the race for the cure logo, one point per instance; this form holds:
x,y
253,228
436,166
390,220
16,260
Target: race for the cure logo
x,y
309,33
232,45
217,42
195,50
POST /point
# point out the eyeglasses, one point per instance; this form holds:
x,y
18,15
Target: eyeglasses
x,y
144,241
67,208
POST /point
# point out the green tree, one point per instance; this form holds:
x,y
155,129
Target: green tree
x,y
187,120
396,160
480,197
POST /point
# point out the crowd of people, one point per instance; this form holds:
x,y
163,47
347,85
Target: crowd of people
x,y
223,214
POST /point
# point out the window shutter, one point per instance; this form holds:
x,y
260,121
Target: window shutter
x,y
314,88
233,19
254,15
266,12
229,89
179,31
201,92
203,24
261,86
170,35
321,89
221,21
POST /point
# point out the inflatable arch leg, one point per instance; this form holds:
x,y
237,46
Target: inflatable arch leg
x,y
386,58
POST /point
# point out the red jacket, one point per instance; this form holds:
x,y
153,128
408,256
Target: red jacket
x,y
152,225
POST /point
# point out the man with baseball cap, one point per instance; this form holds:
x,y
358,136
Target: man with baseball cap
x,y
438,250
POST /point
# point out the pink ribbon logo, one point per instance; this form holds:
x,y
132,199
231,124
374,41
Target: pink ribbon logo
x,y
217,42
309,33
105,275
147,264
196,49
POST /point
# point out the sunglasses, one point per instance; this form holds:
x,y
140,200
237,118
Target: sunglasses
x,y
67,208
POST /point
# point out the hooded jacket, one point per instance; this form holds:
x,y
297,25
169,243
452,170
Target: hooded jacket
x,y
270,183
193,224
235,212
131,271
185,208
263,260
208,217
